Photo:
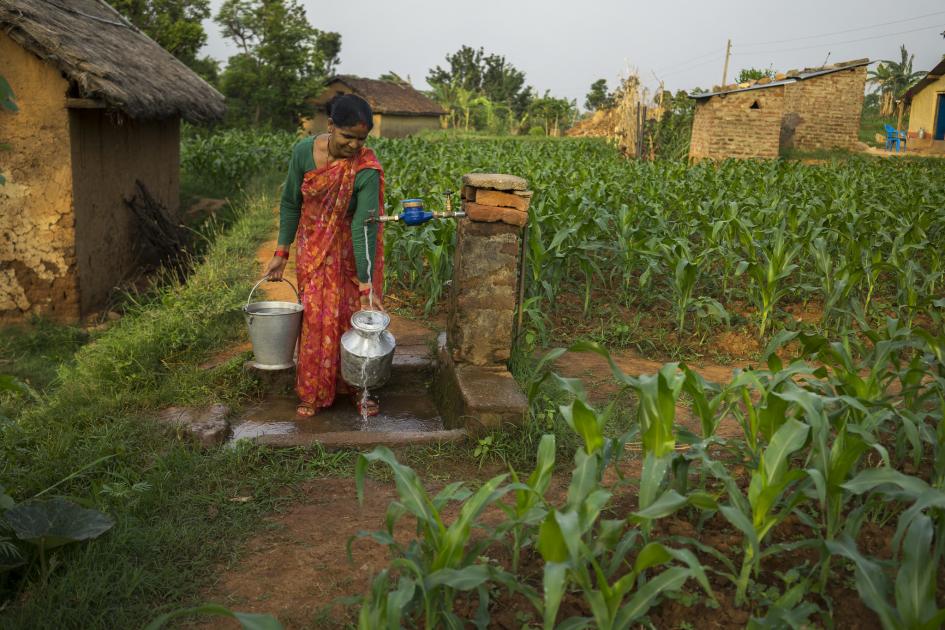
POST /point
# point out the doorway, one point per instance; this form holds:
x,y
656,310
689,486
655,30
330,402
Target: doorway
x,y
940,118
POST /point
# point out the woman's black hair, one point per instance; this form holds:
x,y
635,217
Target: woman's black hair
x,y
347,110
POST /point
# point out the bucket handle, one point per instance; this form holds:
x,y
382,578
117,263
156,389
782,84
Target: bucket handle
x,y
250,296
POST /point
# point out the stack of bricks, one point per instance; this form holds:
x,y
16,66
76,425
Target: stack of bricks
x,y
486,268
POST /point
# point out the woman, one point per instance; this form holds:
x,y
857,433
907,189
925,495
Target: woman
x,y
334,185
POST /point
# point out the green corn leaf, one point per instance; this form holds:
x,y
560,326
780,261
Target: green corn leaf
x,y
457,534
464,579
915,581
554,581
871,582
398,600
653,554
412,494
569,522
742,523
668,503
551,543
584,477
651,478
789,438
874,478
669,580
582,418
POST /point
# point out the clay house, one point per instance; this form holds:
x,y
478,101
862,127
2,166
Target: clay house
x,y
399,109
815,108
100,108
926,102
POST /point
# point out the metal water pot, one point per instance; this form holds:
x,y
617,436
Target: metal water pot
x,y
367,350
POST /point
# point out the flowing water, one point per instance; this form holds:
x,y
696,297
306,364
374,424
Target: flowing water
x,y
364,392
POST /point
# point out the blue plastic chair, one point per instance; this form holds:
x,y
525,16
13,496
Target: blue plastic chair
x,y
896,138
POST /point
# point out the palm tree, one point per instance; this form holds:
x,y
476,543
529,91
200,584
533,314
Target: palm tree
x,y
892,79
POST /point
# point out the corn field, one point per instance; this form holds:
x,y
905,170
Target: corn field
x,y
838,440
856,238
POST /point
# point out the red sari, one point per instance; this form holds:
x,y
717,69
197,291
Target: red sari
x,y
327,275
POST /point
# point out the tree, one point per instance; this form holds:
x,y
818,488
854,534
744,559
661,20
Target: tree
x,y
489,76
753,74
283,60
599,97
552,114
177,25
892,79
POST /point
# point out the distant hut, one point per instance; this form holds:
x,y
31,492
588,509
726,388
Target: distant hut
x,y
399,109
815,108
100,106
926,102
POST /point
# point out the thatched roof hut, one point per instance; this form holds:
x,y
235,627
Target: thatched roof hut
x,y
399,109
107,59
97,133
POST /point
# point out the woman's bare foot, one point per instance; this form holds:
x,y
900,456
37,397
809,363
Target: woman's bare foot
x,y
306,410
366,407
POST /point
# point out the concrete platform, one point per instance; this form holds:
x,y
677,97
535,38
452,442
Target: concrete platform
x,y
408,415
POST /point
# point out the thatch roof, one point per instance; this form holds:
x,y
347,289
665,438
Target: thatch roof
x,y
109,60
387,97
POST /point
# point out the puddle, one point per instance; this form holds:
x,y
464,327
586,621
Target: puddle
x,y
252,429
401,412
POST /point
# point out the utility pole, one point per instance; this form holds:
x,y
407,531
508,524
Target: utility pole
x,y
728,53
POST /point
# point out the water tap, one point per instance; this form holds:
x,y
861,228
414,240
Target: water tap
x,y
414,214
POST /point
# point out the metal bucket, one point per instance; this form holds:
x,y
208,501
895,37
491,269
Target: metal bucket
x,y
367,350
273,329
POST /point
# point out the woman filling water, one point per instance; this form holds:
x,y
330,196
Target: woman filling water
x,y
334,184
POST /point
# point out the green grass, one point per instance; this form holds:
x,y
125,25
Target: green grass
x,y
174,520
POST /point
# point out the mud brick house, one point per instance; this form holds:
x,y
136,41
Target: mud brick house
x,y
926,102
399,109
815,108
100,106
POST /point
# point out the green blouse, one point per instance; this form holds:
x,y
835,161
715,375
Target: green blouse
x,y
367,185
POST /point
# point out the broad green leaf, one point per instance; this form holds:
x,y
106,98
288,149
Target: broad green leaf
x,y
55,522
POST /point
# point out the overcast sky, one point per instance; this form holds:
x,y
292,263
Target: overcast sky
x,y
565,46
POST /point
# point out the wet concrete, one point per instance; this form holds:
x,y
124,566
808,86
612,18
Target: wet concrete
x,y
408,412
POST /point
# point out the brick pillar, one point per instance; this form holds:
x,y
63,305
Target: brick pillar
x,y
485,268
472,385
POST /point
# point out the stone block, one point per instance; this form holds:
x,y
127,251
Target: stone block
x,y
493,214
207,427
476,398
496,181
502,200
469,193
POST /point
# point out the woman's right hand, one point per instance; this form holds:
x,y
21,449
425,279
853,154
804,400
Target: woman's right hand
x,y
275,268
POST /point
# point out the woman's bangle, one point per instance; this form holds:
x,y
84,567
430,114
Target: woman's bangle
x,y
282,253
363,292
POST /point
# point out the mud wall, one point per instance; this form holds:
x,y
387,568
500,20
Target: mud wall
x,y
738,125
824,112
109,152
37,258
922,110
397,126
